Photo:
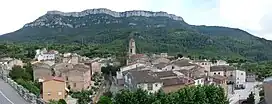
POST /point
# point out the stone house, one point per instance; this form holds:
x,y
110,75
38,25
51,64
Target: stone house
x,y
175,84
203,63
59,68
41,71
53,88
8,63
144,79
199,74
96,67
77,78
173,80
251,77
220,81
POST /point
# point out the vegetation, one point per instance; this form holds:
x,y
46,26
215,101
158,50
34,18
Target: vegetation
x,y
261,69
110,70
24,76
250,99
103,34
82,96
189,95
61,101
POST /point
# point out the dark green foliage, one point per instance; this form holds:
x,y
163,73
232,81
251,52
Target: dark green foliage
x,y
62,101
250,99
261,69
103,35
82,96
110,70
24,76
104,100
189,95
108,94
29,86
18,72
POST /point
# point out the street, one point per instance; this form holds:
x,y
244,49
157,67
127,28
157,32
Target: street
x,y
243,93
8,95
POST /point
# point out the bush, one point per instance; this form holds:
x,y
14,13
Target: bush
x,y
62,101
30,86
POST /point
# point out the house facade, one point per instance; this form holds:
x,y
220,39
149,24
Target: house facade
x,y
145,80
78,78
251,77
41,71
42,55
175,84
53,88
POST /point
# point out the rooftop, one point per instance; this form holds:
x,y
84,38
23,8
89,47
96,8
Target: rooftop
x,y
144,76
222,68
182,63
54,78
163,74
177,81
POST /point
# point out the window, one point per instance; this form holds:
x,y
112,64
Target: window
x,y
219,73
74,84
149,87
59,93
173,67
156,85
202,63
242,74
66,78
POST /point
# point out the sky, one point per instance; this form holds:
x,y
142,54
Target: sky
x,y
253,16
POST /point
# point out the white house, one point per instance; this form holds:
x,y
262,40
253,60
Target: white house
x,y
220,62
237,77
144,79
43,55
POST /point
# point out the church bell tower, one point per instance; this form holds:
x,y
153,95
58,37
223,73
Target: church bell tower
x,y
132,47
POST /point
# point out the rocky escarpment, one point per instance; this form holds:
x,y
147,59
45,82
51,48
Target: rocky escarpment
x,y
55,18
117,14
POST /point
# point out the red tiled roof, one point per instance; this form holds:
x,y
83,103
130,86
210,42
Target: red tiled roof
x,y
54,78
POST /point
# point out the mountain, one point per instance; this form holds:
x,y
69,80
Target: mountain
x,y
153,31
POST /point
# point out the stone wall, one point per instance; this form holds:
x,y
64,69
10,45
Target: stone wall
x,y
30,97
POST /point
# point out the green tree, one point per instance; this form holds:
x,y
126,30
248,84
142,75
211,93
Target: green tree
x,y
251,99
62,101
104,100
82,96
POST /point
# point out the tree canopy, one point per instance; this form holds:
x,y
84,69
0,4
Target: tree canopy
x,y
207,94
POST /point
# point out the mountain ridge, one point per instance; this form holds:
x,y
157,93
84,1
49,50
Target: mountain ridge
x,y
154,34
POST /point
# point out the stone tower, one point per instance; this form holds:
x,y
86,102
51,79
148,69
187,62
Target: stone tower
x,y
132,47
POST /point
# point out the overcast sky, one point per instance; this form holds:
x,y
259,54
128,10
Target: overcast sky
x,y
254,16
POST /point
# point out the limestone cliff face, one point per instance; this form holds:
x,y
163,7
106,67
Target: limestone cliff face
x,y
54,19
117,14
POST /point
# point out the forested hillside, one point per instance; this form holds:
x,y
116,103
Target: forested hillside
x,y
110,34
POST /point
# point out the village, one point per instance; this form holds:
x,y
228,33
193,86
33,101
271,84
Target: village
x,y
60,74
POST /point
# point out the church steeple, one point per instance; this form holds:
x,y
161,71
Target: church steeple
x,y
132,47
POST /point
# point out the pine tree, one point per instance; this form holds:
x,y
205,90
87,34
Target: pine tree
x,y
251,99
